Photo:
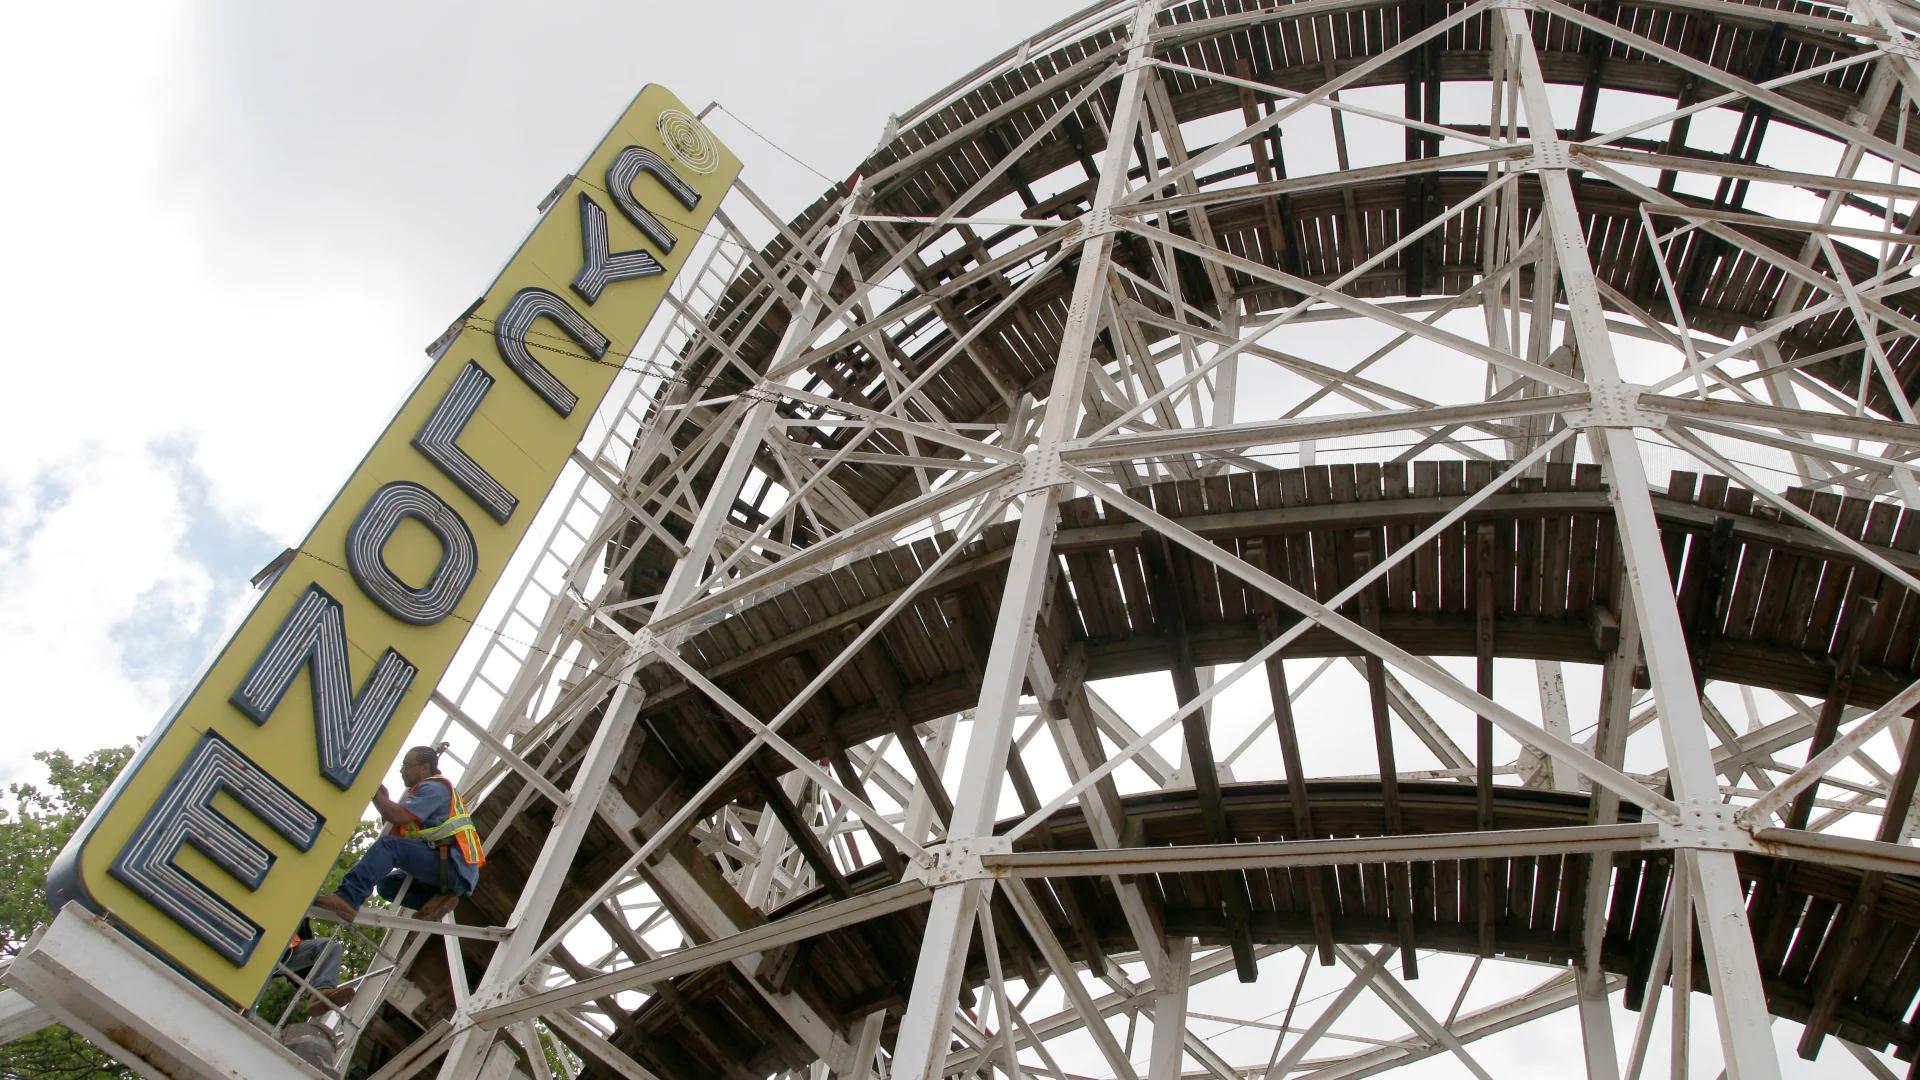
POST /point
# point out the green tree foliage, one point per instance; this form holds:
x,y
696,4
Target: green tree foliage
x,y
33,829
32,832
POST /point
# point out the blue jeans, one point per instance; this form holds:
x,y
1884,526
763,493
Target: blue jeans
x,y
316,960
382,868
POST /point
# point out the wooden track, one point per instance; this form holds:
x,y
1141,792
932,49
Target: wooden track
x,y
1535,917
1318,229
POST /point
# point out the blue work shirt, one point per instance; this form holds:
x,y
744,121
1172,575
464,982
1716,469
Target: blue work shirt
x,y
430,801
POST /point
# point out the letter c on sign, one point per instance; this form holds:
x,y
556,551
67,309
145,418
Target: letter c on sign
x,y
459,559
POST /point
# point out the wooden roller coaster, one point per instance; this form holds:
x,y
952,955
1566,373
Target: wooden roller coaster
x,y
1214,348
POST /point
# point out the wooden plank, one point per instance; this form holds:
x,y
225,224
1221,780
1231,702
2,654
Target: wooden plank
x,y
1848,516
1894,650
1874,994
1522,874
1815,926
1649,909
1446,888
1300,556
1585,566
1453,544
1328,544
1680,488
1351,902
1703,592
1426,562
1626,886
1744,598
1770,609
1395,485
1092,576
932,653
1548,899
1557,546
1898,991
1805,580
1528,538
1235,493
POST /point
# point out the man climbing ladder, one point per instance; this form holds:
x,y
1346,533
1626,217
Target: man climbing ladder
x,y
431,839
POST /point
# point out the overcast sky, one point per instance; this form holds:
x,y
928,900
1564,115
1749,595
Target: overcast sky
x,y
232,227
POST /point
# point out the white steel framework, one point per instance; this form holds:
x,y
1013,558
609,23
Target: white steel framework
x,y
1402,504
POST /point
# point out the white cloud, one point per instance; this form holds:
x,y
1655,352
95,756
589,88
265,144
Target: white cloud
x,y
242,225
119,581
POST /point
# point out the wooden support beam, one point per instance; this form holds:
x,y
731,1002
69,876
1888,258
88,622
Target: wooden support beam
x,y
799,830
1076,895
1268,167
1168,585
885,950
713,1032
1075,729
885,678
1596,54
1422,97
1775,912
572,966
805,670
849,777
1314,876
1399,876
1846,667
1861,933
712,1035
1484,552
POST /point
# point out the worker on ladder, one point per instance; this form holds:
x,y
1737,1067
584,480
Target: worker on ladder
x,y
431,840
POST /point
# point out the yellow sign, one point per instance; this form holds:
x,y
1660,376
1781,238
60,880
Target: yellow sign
x,y
211,844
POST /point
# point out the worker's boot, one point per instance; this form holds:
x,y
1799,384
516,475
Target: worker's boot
x,y
333,905
329,999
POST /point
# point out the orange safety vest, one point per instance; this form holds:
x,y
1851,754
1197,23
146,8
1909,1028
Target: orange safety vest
x,y
458,828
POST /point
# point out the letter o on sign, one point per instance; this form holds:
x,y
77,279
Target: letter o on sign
x,y
459,559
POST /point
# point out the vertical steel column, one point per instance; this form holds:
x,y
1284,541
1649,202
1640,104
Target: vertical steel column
x,y
1714,883
686,574
527,924
1170,1011
927,1026
1596,1024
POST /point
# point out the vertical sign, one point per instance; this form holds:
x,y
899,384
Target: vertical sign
x,y
211,844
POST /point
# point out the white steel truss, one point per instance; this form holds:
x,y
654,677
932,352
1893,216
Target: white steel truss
x,y
1195,505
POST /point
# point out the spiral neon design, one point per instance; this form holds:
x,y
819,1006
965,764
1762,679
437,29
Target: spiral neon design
x,y
688,141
